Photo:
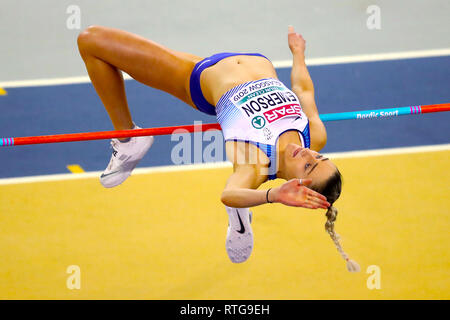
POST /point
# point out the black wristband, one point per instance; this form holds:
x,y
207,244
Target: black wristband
x,y
267,196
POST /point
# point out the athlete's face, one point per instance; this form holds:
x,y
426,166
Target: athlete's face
x,y
305,163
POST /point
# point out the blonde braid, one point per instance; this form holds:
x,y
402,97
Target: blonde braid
x,y
331,189
331,215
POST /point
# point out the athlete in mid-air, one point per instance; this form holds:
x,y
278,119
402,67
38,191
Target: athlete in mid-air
x,y
270,131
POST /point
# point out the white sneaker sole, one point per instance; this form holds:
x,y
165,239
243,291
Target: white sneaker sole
x,y
239,242
116,178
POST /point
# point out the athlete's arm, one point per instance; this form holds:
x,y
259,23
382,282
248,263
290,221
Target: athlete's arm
x,y
300,78
303,87
240,192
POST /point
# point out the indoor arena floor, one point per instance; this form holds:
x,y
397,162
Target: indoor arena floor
x,y
161,235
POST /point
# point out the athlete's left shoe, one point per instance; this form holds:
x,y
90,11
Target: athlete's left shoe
x,y
125,157
239,243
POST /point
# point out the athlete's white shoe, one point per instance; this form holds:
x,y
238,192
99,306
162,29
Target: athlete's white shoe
x,y
239,243
125,157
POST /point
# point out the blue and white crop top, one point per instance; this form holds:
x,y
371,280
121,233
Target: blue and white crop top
x,y
258,112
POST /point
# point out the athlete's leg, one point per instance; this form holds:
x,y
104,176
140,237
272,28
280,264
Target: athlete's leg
x,y
106,51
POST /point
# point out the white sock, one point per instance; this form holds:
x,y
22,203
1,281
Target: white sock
x,y
125,140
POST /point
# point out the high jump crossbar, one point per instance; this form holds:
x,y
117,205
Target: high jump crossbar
x,y
84,136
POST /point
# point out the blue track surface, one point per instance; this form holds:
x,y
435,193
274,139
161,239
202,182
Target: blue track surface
x,y
339,88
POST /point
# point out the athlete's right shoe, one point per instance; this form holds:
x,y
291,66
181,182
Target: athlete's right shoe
x,y
125,157
239,243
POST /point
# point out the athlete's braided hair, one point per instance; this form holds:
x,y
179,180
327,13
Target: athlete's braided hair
x,y
331,189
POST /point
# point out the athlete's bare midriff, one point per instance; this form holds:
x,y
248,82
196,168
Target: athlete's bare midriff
x,y
232,71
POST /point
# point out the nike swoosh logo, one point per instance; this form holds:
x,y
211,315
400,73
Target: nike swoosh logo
x,y
240,221
108,174
296,118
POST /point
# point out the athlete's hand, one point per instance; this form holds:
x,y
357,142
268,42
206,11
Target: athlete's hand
x,y
294,193
296,41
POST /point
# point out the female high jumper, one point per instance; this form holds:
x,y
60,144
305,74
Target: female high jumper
x,y
270,131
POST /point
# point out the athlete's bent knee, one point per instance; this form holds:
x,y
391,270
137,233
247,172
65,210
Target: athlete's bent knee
x,y
87,38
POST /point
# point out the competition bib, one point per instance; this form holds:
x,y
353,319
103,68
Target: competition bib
x,y
265,102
